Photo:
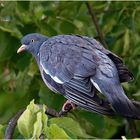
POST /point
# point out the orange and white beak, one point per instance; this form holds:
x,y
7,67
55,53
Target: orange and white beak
x,y
22,48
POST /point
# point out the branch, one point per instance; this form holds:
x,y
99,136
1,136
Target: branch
x,y
136,103
95,21
133,129
51,112
12,124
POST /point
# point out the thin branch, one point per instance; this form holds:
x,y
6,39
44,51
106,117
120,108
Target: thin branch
x,y
95,21
136,103
11,125
132,127
51,112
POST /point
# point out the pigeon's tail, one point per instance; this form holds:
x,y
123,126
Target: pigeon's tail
x,y
117,98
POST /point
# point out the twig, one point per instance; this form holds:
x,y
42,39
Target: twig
x,y
133,129
136,103
12,124
51,112
100,34
95,21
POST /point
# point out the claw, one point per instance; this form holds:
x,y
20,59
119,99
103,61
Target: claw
x,y
68,105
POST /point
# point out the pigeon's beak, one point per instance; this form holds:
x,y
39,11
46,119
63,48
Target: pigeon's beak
x,y
22,48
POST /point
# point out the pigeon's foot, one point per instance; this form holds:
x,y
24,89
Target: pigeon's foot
x,y
68,105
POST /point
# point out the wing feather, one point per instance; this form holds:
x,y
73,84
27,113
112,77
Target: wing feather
x,y
63,61
85,101
125,75
86,98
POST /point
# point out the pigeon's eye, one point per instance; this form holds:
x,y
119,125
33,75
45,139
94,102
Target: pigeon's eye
x,y
32,40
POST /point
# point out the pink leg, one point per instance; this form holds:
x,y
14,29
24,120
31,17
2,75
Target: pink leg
x,y
68,105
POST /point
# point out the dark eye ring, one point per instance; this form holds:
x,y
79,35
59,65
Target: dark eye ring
x,y
32,40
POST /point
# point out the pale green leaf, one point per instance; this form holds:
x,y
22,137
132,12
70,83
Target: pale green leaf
x,y
137,93
126,41
71,125
25,123
33,107
37,126
124,138
27,119
45,122
55,132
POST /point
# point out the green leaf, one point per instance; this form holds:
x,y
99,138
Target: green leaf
x,y
27,119
71,125
137,93
25,123
1,131
67,27
32,69
23,5
49,29
37,126
33,107
45,122
126,41
111,126
13,30
55,132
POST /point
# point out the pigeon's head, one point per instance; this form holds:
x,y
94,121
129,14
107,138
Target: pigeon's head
x,y
32,43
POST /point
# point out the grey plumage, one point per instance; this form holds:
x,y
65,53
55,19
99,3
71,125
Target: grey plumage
x,y
76,66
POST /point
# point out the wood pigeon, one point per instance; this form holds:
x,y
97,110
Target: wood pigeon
x,y
79,66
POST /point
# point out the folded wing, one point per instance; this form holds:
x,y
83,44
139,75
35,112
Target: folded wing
x,y
70,66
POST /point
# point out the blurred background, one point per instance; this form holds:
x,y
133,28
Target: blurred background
x,y
20,80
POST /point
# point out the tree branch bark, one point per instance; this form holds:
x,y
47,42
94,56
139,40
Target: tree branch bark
x,y
12,124
133,129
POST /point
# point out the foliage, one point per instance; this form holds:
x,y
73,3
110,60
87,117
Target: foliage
x,y
20,80
34,122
